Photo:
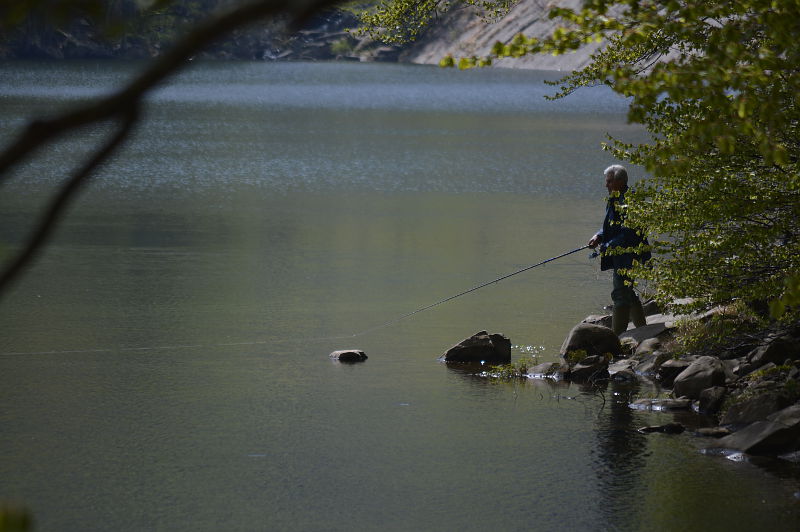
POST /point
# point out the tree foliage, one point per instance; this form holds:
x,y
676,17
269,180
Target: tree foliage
x,y
717,84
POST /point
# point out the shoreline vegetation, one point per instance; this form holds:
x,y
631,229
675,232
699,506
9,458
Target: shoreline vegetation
x,y
729,364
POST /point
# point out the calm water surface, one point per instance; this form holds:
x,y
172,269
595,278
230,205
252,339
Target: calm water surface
x,y
164,365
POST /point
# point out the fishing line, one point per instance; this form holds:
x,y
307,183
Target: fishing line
x,y
340,337
450,298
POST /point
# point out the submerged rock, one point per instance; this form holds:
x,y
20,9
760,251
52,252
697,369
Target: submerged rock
x,y
481,347
669,428
661,404
349,355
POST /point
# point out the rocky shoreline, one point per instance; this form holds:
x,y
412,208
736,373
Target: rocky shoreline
x,y
750,391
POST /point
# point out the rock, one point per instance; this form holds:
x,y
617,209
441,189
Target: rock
x,y
629,346
711,400
776,350
626,364
647,346
754,409
778,434
596,319
481,347
713,432
589,369
669,370
554,370
650,363
669,428
594,339
703,373
640,334
661,404
349,355
626,375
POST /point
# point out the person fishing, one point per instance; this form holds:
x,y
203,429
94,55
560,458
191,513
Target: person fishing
x,y
614,234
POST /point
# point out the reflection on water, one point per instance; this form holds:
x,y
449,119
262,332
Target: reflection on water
x,y
164,365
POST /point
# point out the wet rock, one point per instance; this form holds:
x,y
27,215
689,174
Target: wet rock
x,y
650,363
596,319
713,432
669,370
755,408
481,347
554,370
626,364
349,355
592,368
661,404
711,400
593,339
703,373
778,434
669,428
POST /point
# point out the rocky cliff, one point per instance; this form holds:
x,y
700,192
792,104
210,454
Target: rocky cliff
x,y
462,32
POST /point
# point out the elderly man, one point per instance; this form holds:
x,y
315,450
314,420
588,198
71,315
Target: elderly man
x,y
614,234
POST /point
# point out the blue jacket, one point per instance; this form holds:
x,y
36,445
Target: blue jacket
x,y
614,234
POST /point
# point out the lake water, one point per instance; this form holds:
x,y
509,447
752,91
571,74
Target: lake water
x,y
164,365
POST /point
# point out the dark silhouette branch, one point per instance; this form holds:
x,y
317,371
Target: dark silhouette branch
x,y
122,106
67,192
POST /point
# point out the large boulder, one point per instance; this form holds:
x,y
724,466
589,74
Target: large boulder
x,y
775,350
754,408
778,434
669,370
481,347
596,319
703,373
593,339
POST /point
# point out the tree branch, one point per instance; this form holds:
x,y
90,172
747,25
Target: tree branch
x,y
123,106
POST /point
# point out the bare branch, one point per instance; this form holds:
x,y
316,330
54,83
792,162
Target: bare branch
x,y
123,106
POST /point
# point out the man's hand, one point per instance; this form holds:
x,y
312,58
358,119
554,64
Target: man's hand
x,y
594,241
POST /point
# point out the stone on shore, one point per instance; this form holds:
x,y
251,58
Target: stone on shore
x,y
596,319
669,370
775,350
545,370
711,400
589,369
778,434
593,339
703,373
349,355
754,408
481,347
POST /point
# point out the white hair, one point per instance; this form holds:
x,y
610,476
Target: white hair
x,y
618,172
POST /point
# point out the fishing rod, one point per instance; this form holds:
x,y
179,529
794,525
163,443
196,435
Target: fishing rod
x,y
465,292
361,333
